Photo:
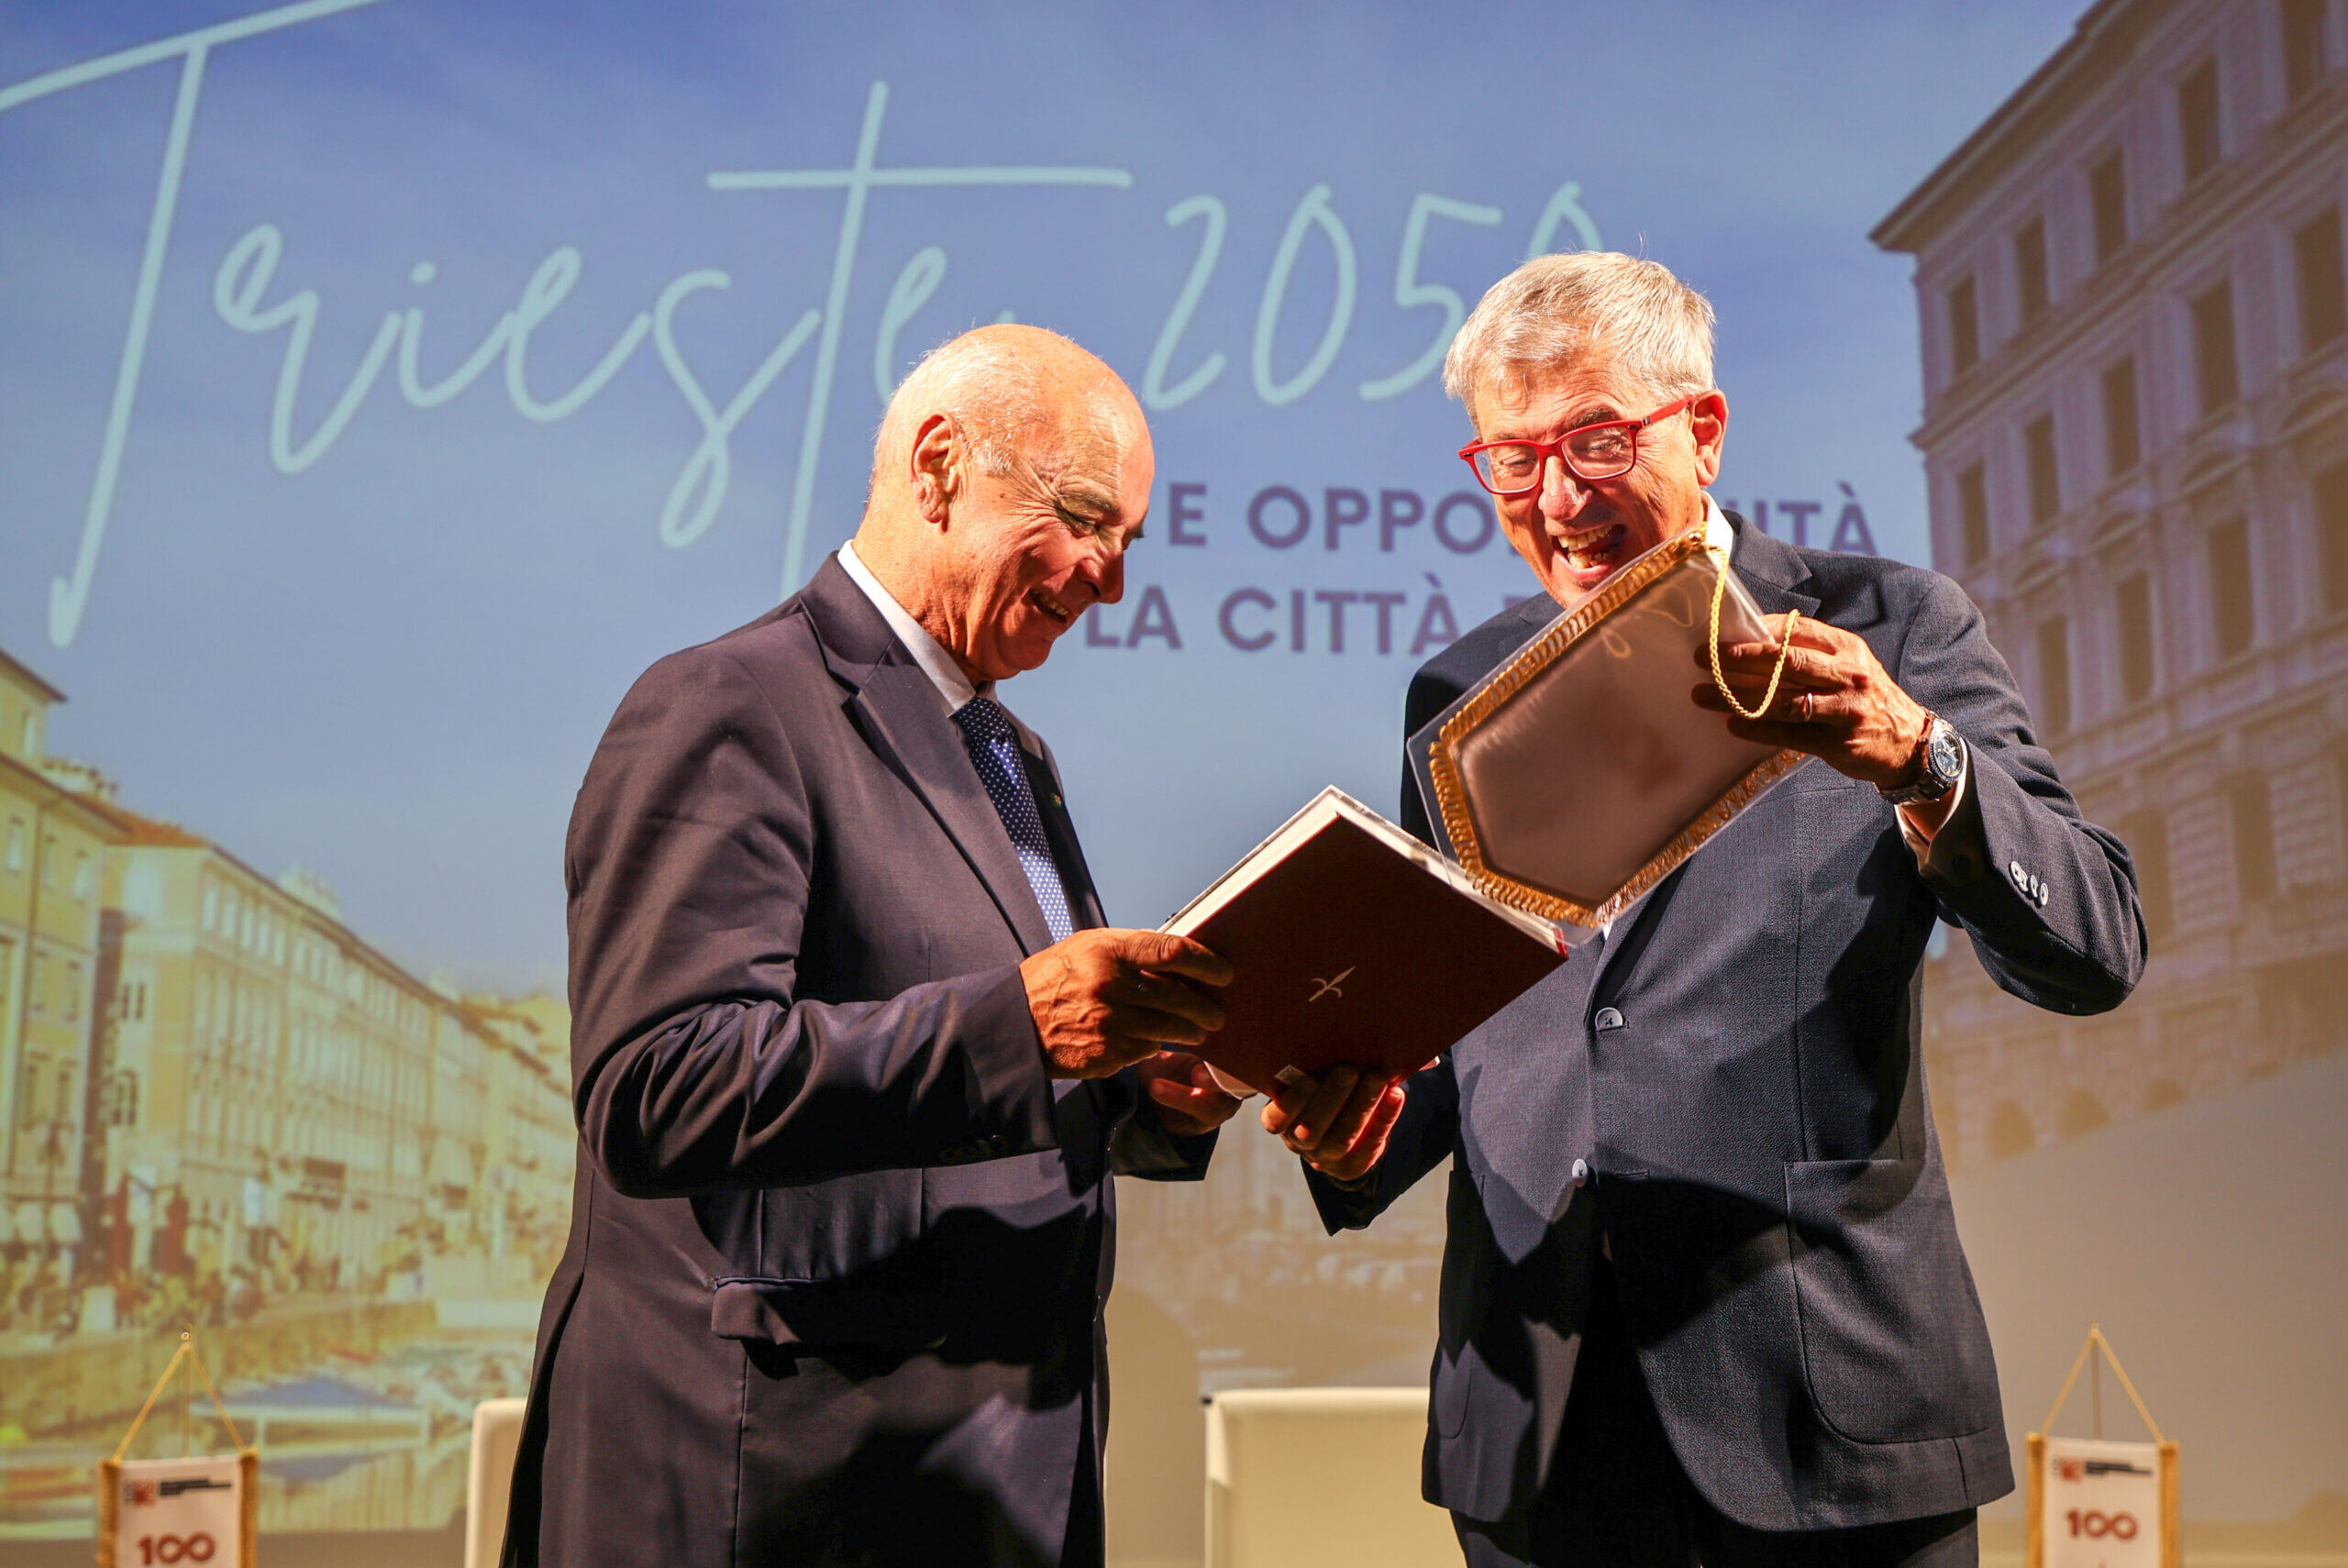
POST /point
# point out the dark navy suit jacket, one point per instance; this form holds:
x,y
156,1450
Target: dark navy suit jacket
x,y
1732,1086
838,1248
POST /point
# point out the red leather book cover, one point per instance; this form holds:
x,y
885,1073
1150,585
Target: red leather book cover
x,y
1349,949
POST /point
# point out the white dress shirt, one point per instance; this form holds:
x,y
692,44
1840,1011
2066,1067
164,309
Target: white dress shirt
x,y
954,688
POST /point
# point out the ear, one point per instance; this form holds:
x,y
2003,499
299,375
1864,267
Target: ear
x,y
1707,418
933,466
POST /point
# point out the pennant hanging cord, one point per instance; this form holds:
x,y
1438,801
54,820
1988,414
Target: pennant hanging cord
x,y
185,1352
2094,1342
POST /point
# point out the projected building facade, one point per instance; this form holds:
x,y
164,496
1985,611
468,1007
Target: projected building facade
x,y
2135,435
214,1094
52,862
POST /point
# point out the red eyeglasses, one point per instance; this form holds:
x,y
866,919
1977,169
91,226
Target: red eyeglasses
x,y
1608,450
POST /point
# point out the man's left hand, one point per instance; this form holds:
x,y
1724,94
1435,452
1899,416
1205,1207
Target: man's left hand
x,y
1189,1099
1837,701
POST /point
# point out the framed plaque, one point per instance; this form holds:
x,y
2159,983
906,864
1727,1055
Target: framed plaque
x,y
1578,773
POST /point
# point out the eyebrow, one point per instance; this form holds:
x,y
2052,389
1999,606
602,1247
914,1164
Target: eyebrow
x,y
1598,414
1083,498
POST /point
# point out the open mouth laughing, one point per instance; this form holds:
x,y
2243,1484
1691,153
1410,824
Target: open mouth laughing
x,y
1050,608
1588,549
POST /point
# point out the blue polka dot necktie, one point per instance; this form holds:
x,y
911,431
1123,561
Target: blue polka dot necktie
x,y
994,749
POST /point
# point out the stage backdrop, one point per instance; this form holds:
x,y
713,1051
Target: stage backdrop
x,y
384,384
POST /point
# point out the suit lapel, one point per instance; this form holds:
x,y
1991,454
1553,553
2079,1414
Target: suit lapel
x,y
1775,575
1771,569
898,708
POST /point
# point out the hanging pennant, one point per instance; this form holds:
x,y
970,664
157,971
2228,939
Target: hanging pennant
x,y
2095,1503
199,1509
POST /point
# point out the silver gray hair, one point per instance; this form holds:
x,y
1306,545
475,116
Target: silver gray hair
x,y
1554,310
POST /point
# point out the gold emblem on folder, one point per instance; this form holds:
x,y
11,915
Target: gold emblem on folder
x,y
1329,987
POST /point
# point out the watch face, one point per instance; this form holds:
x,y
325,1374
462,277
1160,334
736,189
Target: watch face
x,y
1941,753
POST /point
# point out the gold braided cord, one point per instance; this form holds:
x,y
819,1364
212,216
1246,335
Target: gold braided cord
x,y
186,1352
2096,1341
1785,650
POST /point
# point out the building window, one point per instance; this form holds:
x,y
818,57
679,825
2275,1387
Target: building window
x,y
2107,194
2214,373
2030,269
2122,438
1964,327
2146,837
2330,490
82,877
2135,614
32,735
2323,286
2303,44
2197,119
2250,815
15,848
2054,676
2045,479
2082,1113
2230,588
2010,1132
72,991
1973,513
37,984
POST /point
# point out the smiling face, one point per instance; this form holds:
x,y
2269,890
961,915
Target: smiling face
x,y
1030,550
1010,475
1575,532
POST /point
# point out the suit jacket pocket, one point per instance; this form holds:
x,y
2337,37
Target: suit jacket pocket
x,y
824,1314
1893,1341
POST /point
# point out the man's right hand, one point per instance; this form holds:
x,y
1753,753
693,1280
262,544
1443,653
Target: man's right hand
x,y
1339,1122
1104,999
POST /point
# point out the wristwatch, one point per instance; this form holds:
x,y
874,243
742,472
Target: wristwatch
x,y
1943,764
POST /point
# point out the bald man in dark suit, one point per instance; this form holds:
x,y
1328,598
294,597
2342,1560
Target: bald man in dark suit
x,y
854,1062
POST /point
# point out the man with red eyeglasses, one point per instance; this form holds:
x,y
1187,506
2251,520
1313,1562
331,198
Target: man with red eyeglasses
x,y
1702,1297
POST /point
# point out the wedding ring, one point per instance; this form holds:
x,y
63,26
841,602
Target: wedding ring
x,y
1806,704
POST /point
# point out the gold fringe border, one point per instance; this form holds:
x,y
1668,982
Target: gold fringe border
x,y
1451,796
109,1509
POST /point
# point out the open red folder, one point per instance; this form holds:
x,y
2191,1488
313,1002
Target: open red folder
x,y
1352,942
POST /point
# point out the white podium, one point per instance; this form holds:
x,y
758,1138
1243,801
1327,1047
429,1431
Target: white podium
x,y
1301,1476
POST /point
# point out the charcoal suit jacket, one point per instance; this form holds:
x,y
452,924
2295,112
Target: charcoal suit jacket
x,y
838,1250
1729,1088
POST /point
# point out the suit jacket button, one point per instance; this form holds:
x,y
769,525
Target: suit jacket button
x,y
1582,1173
1608,1017
2021,877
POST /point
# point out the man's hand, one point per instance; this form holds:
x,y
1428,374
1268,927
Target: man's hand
x,y
1189,1099
1104,999
1835,703
1340,1122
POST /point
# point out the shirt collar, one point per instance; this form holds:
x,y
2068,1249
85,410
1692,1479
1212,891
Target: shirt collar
x,y
954,688
1718,535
